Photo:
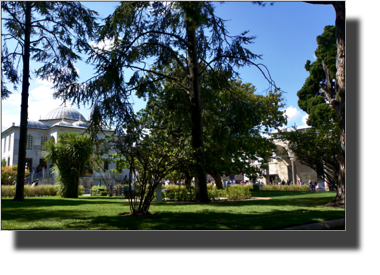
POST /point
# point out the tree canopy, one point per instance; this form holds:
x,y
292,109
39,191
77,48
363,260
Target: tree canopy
x,y
148,36
51,33
71,157
234,121
311,98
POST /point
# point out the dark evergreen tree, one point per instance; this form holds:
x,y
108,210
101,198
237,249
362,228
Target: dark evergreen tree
x,y
51,33
146,37
335,92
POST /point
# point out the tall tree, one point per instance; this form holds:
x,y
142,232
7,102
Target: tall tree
x,y
234,121
146,37
51,33
335,93
315,101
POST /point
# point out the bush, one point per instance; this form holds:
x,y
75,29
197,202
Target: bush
x,y
9,175
80,190
30,191
236,192
8,191
286,188
99,191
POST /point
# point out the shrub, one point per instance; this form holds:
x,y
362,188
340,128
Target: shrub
x,y
286,188
236,192
30,191
80,190
8,191
98,191
9,175
215,193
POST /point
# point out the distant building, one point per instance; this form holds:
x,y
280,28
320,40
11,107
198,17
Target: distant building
x,y
61,119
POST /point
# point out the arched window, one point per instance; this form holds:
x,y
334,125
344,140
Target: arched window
x,y
29,142
52,139
43,140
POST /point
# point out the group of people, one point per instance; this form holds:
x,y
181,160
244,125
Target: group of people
x,y
37,169
282,182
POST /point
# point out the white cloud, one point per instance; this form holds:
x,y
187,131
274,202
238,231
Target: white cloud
x,y
304,119
106,44
292,113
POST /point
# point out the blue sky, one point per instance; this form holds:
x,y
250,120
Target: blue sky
x,y
285,35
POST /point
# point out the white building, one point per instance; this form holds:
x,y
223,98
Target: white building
x,y
61,119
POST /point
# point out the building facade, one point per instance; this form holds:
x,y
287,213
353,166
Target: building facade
x,y
61,119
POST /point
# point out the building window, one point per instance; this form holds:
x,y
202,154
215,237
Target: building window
x,y
5,143
9,143
43,140
106,165
9,161
29,142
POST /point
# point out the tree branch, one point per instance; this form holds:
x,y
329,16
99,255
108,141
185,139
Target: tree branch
x,y
160,74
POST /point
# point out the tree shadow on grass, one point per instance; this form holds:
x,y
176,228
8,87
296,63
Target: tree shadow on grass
x,y
208,219
172,215
54,201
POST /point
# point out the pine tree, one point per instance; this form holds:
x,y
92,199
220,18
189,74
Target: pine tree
x,y
51,33
146,37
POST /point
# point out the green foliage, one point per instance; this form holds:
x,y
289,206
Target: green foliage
x,y
316,148
35,191
275,187
234,120
99,191
59,31
181,193
70,157
9,174
237,192
311,100
3,163
8,191
32,191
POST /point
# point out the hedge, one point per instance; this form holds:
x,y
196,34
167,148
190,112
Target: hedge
x,y
35,191
187,193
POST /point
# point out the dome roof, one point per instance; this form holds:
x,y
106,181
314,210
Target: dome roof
x,y
36,124
80,124
62,123
57,113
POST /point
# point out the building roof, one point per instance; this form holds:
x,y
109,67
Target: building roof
x,y
80,124
57,113
63,123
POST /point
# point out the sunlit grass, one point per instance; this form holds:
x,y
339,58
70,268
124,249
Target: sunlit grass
x,y
99,213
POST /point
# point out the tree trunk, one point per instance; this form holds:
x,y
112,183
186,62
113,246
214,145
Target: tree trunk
x,y
218,179
196,116
340,88
341,92
187,179
19,196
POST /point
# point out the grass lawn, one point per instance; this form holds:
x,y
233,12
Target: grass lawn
x,y
283,209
